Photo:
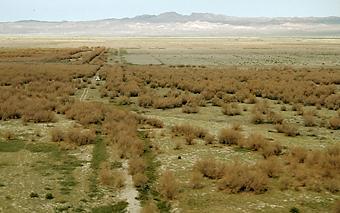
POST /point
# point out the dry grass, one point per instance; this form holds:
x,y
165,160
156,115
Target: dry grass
x,y
255,142
242,178
168,185
271,167
336,207
150,207
309,120
189,130
196,181
145,101
57,135
150,121
287,128
210,168
209,139
106,175
136,165
81,137
334,123
140,180
8,135
231,109
229,137
190,109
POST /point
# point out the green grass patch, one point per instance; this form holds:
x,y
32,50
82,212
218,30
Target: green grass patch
x,y
119,207
53,149
11,146
241,149
58,162
99,155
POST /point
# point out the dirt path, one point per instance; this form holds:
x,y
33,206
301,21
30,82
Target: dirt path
x,y
130,193
83,96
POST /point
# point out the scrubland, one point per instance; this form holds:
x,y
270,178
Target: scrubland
x,y
79,134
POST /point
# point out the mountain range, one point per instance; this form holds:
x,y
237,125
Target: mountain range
x,y
174,24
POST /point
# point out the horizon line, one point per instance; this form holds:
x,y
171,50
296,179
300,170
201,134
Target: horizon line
x,y
182,14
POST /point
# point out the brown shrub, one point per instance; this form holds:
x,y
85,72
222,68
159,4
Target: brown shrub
x,y
334,123
229,137
196,180
187,129
167,103
190,109
178,145
210,168
261,107
271,149
255,142
207,94
271,167
309,120
231,109
130,89
336,207
106,175
150,121
155,122
189,139
287,128
119,179
86,112
216,101
140,180
275,118
285,183
298,108
136,165
168,185
298,155
257,118
150,207
236,126
81,137
242,178
209,139
124,100
332,185
145,101
8,135
136,148
57,135
38,116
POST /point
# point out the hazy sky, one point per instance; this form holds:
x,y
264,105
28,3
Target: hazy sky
x,y
12,10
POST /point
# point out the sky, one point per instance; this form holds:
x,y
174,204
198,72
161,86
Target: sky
x,y
77,10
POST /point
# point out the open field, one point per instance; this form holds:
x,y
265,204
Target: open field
x,y
202,51
169,125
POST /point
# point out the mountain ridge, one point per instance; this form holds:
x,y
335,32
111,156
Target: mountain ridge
x,y
168,17
175,24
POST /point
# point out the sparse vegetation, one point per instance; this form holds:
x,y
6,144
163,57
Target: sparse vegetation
x,y
69,132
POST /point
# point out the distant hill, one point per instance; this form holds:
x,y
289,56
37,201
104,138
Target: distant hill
x,y
174,24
